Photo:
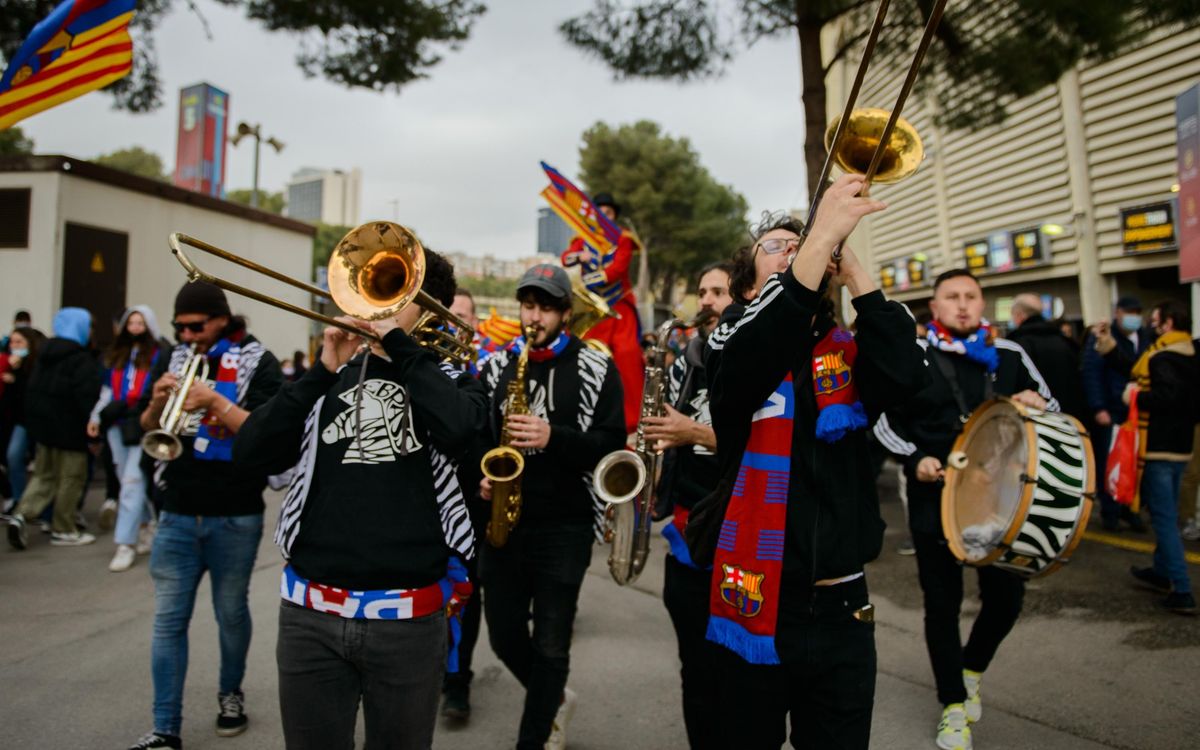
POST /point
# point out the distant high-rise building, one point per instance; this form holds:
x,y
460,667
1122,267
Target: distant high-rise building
x,y
200,141
553,234
330,196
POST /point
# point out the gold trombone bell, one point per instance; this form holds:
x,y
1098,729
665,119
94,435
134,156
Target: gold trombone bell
x,y
901,157
375,271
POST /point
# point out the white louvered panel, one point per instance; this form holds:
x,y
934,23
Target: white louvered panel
x,y
1129,119
1006,168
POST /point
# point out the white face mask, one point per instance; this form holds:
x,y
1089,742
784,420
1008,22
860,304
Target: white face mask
x,y
22,353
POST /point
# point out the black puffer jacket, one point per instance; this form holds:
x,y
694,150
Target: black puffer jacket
x,y
62,388
1057,359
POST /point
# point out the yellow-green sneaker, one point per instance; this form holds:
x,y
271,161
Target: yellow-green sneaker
x,y
973,705
953,733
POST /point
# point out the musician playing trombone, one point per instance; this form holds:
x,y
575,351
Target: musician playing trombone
x,y
369,527
212,509
795,516
574,419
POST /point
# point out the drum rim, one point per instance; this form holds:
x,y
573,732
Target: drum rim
x,y
954,541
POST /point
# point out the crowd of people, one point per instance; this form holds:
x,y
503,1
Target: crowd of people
x,y
773,429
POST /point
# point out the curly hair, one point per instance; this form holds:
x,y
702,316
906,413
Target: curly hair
x,y
743,277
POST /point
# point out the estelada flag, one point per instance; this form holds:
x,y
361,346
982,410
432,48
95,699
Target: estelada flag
x,y
81,46
576,209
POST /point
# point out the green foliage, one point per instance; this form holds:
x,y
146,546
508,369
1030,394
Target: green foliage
x,y
135,160
986,53
272,202
14,142
325,240
489,286
356,43
681,213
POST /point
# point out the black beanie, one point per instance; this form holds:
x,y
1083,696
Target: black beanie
x,y
201,297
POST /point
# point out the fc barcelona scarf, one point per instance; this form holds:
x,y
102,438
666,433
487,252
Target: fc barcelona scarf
x,y
543,353
214,442
978,347
838,409
747,567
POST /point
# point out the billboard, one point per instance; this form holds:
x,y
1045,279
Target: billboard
x,y
1187,144
200,142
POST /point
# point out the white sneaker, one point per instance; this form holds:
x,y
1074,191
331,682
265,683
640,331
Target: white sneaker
x,y
73,539
108,515
1191,530
558,731
145,540
123,560
973,706
952,731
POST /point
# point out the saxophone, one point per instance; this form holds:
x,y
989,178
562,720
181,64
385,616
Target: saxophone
x,y
504,464
626,479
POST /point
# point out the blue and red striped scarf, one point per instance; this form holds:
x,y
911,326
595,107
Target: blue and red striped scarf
x,y
542,353
748,564
214,441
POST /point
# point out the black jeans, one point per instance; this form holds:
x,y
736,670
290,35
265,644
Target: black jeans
x,y
327,664
826,682
685,594
539,570
941,577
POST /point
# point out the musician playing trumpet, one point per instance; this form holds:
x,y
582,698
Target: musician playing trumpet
x,y
575,418
212,508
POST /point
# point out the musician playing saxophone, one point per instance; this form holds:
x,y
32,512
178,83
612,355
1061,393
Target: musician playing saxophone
x,y
575,418
689,473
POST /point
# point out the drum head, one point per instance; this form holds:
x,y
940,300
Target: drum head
x,y
985,497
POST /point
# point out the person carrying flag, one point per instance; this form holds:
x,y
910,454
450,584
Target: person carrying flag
x,y
606,273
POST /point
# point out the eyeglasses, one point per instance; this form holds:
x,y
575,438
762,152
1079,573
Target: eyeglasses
x,y
196,326
778,245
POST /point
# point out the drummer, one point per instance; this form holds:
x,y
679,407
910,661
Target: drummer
x,y
967,365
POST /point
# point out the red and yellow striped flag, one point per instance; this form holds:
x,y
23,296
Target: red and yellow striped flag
x,y
83,45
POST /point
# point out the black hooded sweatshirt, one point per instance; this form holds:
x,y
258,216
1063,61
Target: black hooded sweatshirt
x,y
369,517
59,396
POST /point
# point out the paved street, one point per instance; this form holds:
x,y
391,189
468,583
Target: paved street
x,y
1091,664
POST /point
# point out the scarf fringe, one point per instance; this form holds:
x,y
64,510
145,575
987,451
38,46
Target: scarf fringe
x,y
836,420
756,649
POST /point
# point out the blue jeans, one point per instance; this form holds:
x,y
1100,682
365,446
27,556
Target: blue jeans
x,y
134,506
18,461
184,548
1160,493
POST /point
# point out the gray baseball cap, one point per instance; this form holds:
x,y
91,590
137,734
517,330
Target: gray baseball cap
x,y
549,278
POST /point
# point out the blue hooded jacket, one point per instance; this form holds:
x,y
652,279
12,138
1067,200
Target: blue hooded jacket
x,y
74,324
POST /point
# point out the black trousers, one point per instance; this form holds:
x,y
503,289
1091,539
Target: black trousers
x,y
539,571
941,577
825,685
685,594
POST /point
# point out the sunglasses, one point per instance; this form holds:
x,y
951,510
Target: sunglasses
x,y
778,245
195,326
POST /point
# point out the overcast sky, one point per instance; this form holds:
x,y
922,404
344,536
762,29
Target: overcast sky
x,y
459,151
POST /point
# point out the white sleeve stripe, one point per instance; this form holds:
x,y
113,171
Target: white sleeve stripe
x,y
892,441
1043,389
772,289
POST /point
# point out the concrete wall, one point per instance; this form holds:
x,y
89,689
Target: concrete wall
x,y
32,279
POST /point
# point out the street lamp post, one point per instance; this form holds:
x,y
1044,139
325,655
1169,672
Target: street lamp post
x,y
244,129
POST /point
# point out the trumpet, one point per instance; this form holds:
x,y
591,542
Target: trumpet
x,y
375,271
164,444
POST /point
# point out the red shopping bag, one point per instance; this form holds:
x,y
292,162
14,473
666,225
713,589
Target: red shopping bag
x,y
1120,476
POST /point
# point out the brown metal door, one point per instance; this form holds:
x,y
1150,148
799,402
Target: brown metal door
x,y
94,264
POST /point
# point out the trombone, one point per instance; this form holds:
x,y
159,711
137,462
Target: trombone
x,y
375,271
880,145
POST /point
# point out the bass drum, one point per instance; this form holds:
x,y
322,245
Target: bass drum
x,y
1019,488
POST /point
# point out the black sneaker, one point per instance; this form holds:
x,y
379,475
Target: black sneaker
x,y
232,720
156,740
1151,580
16,533
456,703
1178,601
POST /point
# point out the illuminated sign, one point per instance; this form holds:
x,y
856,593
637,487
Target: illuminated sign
x,y
904,273
1149,228
1007,251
